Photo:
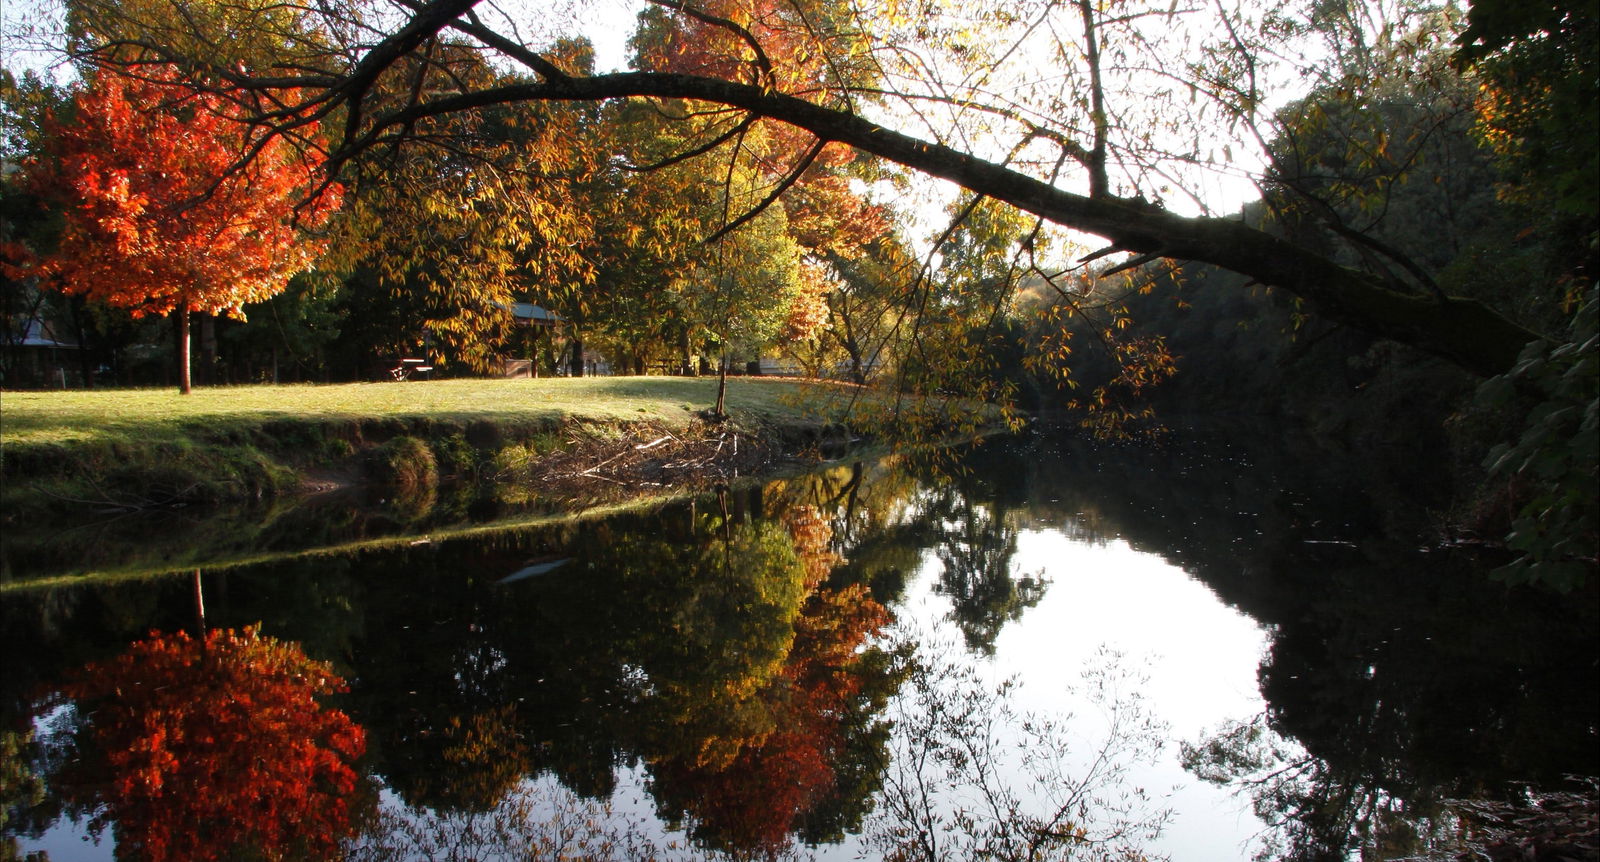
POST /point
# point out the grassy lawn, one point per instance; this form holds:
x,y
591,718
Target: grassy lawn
x,y
90,416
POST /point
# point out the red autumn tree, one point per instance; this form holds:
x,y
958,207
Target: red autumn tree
x,y
157,220
218,749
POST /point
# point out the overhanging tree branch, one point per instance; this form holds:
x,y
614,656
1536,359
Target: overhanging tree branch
x,y
1462,330
784,185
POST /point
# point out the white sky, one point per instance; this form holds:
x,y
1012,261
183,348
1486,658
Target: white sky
x,y
1201,656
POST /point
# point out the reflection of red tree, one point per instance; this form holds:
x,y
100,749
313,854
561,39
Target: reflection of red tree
x,y
812,536
758,800
220,749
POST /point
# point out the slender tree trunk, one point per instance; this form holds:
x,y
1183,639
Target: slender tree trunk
x,y
182,314
722,388
199,608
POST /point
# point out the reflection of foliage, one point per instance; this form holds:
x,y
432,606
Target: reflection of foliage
x,y
534,822
1398,692
1314,811
949,792
977,544
870,517
774,783
723,635
1409,677
1538,825
219,747
20,785
1318,814
483,759
811,536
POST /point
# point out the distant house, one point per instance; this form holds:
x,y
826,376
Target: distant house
x,y
783,366
540,320
775,366
35,356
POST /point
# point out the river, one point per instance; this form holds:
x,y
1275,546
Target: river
x,y
1197,650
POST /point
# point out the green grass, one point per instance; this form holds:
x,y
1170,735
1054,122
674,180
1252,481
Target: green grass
x,y
77,417
62,451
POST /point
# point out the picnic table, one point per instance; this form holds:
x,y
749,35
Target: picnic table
x,y
404,368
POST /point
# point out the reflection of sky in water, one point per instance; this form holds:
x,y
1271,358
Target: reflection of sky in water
x,y
1200,655
65,841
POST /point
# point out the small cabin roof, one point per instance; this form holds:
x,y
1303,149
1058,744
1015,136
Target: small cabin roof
x,y
36,334
530,313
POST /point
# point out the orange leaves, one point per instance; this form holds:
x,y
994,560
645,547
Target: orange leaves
x,y
812,536
827,215
160,210
753,803
220,749
808,309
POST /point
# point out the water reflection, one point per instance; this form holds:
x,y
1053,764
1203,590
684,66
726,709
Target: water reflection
x,y
704,644
1410,687
974,777
213,748
726,656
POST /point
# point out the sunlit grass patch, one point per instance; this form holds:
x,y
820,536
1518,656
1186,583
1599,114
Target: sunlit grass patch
x,y
80,416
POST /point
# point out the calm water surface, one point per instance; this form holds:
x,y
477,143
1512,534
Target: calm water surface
x,y
1190,651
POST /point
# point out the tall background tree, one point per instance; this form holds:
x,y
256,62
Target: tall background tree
x,y
172,203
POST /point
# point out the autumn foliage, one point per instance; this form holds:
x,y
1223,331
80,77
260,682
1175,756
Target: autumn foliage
x,y
758,800
159,216
218,749
755,802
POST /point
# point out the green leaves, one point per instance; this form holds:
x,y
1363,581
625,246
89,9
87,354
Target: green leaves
x,y
1556,458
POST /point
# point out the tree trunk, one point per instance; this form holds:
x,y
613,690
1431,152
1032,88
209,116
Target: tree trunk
x,y
721,412
182,315
199,607
575,364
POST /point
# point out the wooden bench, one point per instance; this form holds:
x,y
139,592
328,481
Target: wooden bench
x,y
403,369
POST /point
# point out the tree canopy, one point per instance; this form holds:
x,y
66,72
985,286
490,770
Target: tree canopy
x,y
1086,116
173,203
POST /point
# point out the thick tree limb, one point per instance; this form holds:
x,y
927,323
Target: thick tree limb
x,y
1461,330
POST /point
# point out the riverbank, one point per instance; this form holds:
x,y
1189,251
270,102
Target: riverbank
x,y
127,450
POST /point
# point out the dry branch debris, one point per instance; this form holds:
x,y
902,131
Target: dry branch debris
x,y
653,459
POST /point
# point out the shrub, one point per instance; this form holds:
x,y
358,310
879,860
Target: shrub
x,y
405,463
